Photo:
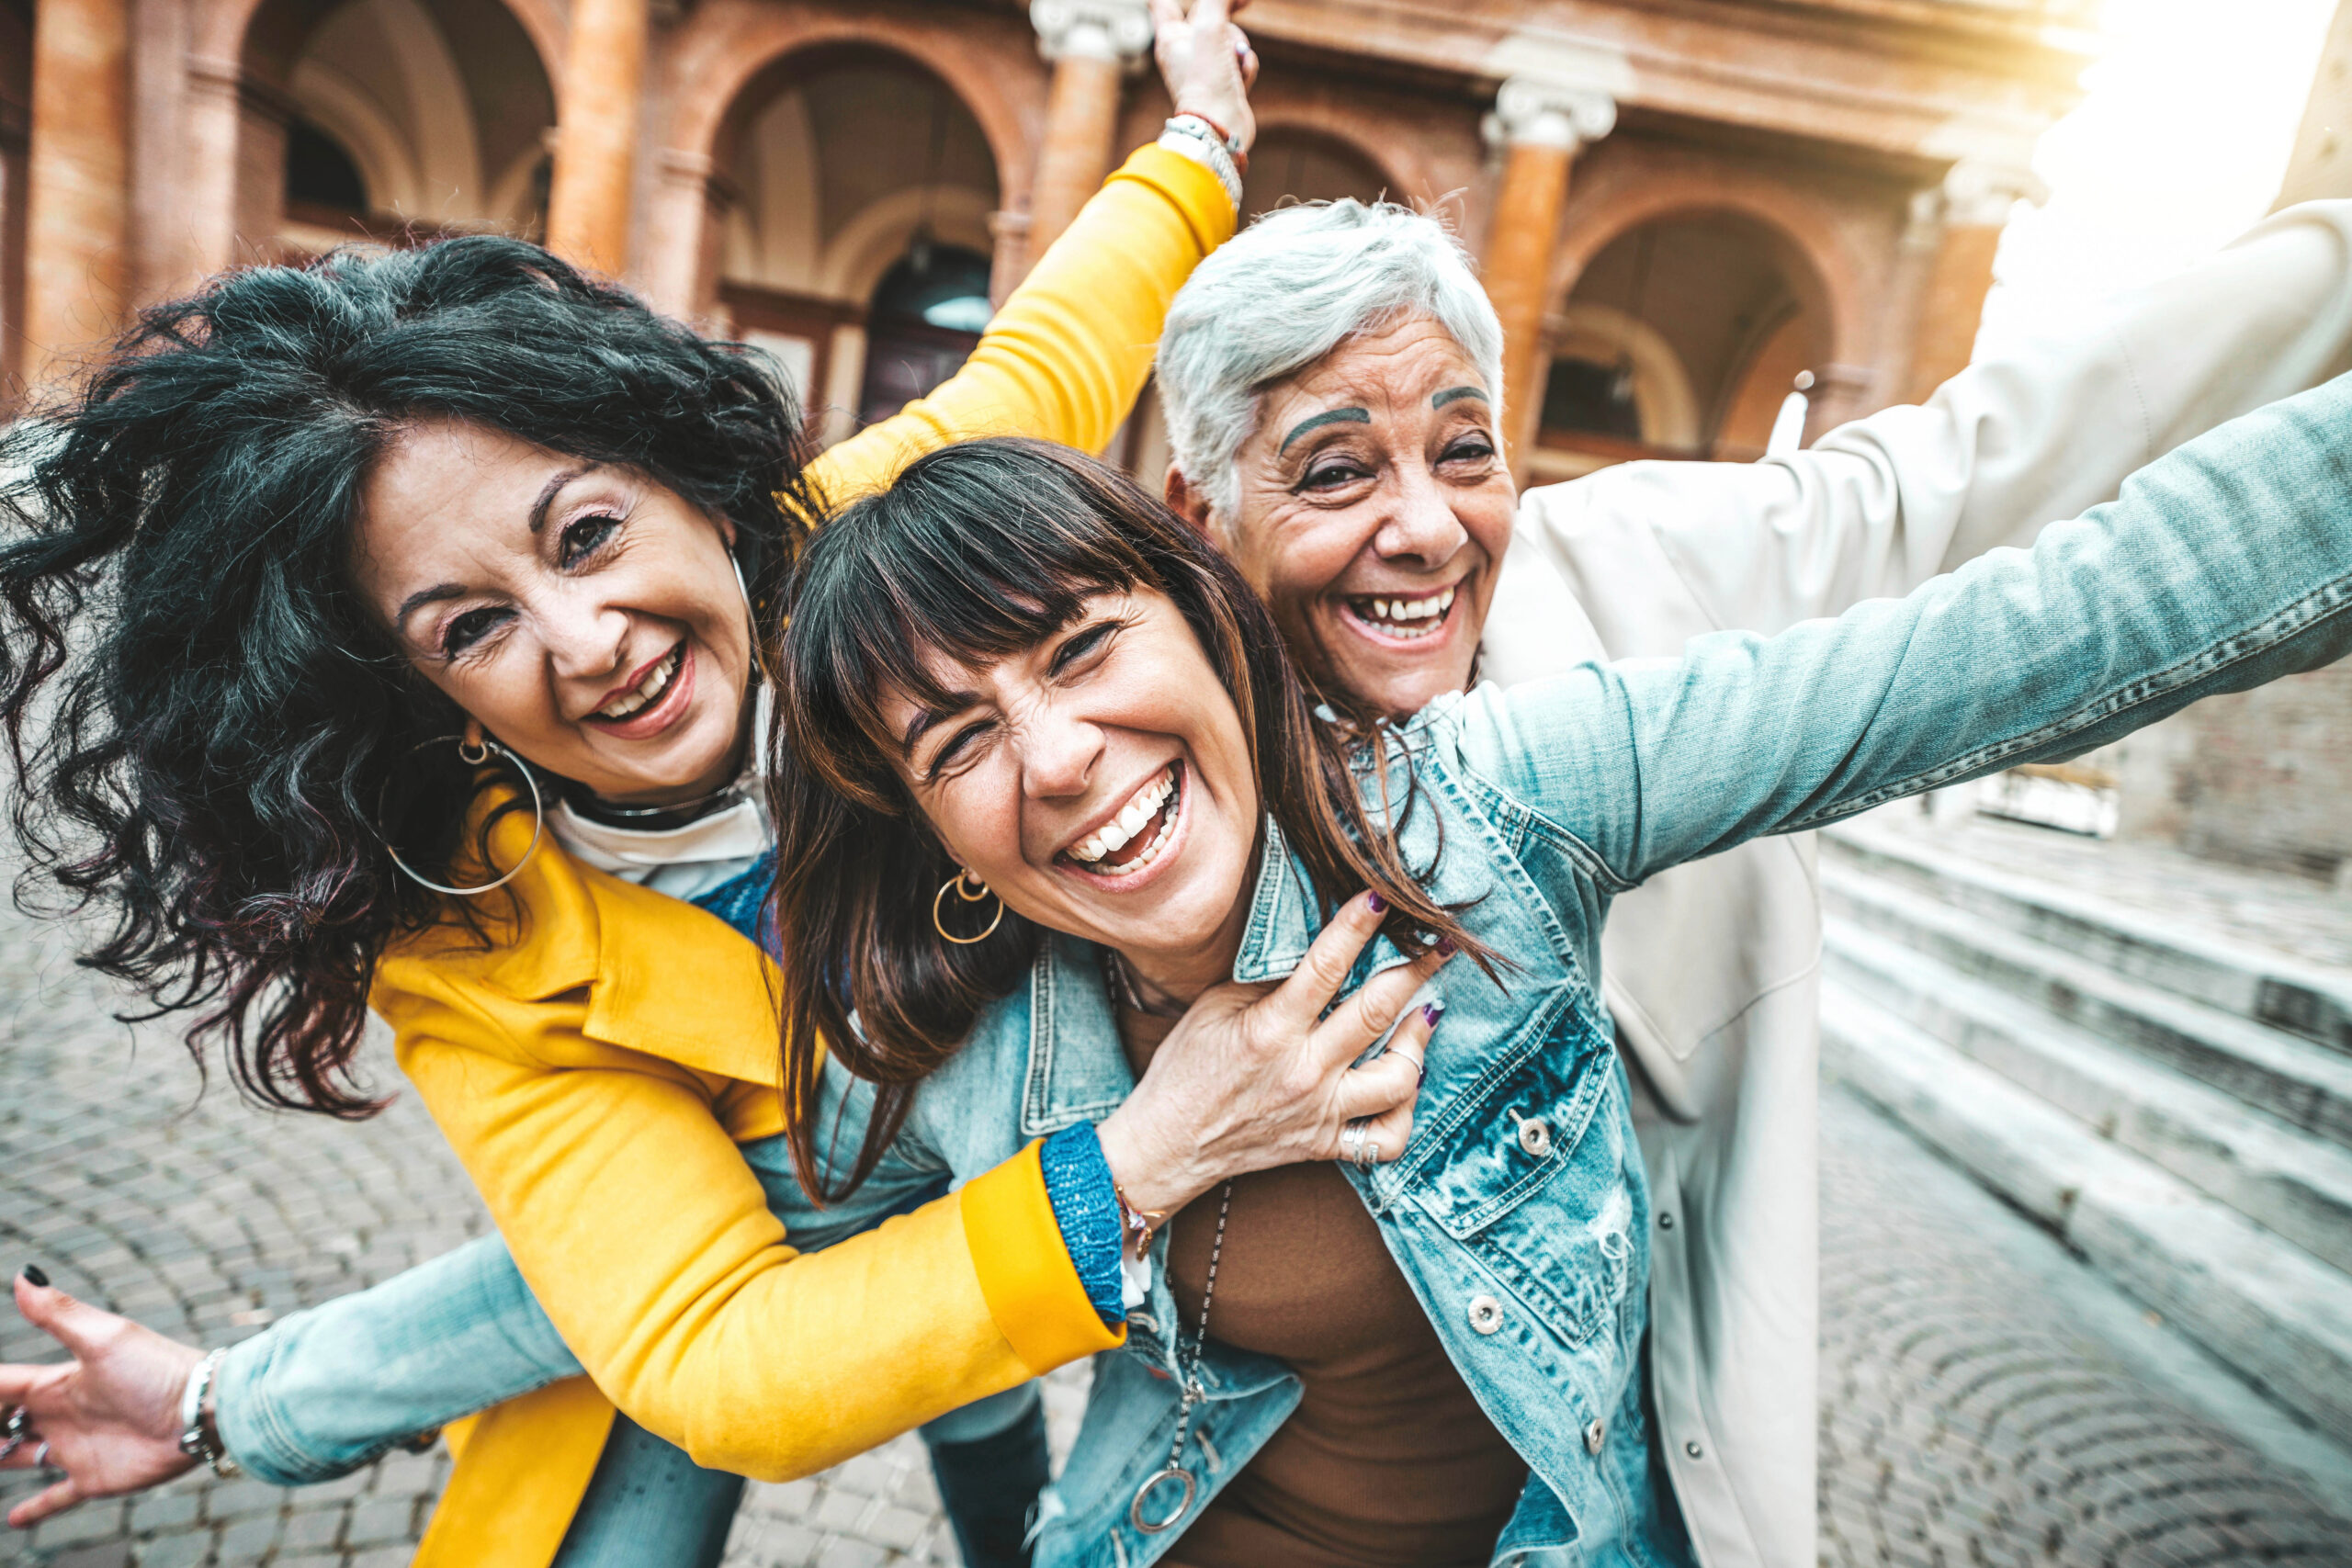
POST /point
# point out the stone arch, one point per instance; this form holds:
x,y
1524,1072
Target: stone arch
x,y
1670,411
1314,142
1800,232
730,60
244,90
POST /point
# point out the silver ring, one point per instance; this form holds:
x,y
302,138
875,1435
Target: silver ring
x,y
1351,1141
12,1437
1367,1157
41,1456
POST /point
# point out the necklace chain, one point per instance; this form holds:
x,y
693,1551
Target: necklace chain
x,y
1194,1392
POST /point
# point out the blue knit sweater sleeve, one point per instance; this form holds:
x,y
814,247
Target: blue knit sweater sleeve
x,y
1086,1205
1078,1179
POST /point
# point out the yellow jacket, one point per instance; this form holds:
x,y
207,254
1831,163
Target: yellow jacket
x,y
594,1067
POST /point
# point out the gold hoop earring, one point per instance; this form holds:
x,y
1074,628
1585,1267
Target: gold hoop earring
x,y
956,882
473,749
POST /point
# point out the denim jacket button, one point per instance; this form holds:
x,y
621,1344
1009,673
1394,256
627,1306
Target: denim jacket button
x,y
1594,1436
1535,1138
1486,1314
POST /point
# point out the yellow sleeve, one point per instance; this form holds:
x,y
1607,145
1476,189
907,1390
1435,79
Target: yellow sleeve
x,y
1066,357
648,1241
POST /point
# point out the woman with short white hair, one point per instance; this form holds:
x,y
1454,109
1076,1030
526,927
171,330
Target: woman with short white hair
x,y
1331,383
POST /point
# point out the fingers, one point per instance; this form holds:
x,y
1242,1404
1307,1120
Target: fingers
x,y
1299,1001
77,1324
42,1504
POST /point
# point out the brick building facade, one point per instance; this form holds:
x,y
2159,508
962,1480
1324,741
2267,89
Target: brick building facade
x,y
1679,205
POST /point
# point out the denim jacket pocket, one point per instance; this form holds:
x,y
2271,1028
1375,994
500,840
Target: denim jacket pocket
x,y
1515,1174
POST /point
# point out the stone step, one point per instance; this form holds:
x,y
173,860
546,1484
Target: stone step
x,y
2281,1178
2281,1316
2234,976
2286,1076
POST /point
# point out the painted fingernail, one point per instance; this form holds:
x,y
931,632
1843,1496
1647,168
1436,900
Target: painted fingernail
x,y
1447,947
1379,905
33,1273
1431,1012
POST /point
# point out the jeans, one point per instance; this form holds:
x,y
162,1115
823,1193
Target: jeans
x,y
650,1506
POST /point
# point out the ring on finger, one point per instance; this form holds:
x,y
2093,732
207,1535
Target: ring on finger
x,y
41,1456
19,1428
1367,1156
1351,1141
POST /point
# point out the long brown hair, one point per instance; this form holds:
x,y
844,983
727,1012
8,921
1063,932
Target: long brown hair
x,y
975,553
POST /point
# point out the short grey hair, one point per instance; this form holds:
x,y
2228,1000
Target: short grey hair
x,y
1286,291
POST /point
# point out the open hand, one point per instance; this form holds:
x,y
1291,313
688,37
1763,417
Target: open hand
x,y
1255,1077
109,1418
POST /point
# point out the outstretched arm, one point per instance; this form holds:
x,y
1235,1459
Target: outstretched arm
x,y
2222,566
2045,427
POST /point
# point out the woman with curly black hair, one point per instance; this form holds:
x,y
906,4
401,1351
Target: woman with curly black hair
x,y
380,634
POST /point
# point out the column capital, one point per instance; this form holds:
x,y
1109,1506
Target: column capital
x,y
1115,30
1980,191
1535,111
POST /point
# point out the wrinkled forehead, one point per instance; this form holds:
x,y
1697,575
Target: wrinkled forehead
x,y
1402,366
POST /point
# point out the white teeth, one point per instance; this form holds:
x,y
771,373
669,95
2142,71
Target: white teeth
x,y
648,691
1398,614
1118,832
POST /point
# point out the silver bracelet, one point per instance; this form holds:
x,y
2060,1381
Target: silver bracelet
x,y
196,1440
1191,135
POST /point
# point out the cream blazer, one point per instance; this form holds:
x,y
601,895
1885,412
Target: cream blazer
x,y
1713,970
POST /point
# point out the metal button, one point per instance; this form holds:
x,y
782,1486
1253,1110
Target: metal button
x,y
1486,1314
1535,1138
1694,1450
1594,1436
1666,1221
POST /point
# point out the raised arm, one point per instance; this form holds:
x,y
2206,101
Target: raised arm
x,y
2225,565
1067,356
2044,428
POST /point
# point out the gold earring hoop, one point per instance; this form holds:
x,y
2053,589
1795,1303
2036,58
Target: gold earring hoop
x,y
473,749
939,898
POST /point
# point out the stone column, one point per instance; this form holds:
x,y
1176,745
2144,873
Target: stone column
x,y
1976,198
1091,43
1540,126
588,201
77,229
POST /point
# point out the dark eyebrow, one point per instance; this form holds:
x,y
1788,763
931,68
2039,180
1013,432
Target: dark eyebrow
x,y
435,595
1455,394
1335,416
930,719
547,492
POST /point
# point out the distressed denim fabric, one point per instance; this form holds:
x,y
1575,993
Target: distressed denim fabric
x,y
1518,1213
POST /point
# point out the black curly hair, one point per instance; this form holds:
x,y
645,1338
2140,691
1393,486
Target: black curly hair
x,y
202,713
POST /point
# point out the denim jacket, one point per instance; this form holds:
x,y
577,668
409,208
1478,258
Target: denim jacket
x,y
1517,1213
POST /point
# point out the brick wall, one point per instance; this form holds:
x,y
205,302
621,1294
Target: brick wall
x,y
2262,778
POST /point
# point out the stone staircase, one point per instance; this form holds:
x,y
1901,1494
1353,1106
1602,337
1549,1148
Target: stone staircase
x,y
2174,1102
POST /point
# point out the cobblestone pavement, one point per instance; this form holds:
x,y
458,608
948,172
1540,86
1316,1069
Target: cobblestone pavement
x,y
1968,1418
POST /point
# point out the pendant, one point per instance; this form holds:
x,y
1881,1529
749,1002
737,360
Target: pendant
x,y
1184,1500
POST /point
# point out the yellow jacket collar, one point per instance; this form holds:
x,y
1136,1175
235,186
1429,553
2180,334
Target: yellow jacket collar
x,y
663,977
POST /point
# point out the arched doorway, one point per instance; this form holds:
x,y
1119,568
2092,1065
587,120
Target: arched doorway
x,y
389,121
1682,339
854,243
1299,165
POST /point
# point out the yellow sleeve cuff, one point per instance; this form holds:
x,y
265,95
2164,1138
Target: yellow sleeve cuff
x,y
1192,188
1032,1287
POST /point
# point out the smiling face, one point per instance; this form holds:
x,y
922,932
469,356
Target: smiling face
x,y
1374,511
588,617
1100,783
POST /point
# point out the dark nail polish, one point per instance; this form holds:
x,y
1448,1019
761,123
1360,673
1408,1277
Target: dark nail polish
x,y
1431,1013
1379,905
32,1272
1447,947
